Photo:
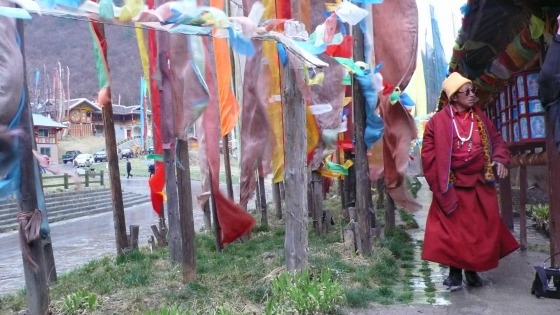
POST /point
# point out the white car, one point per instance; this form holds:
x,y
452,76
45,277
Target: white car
x,y
83,159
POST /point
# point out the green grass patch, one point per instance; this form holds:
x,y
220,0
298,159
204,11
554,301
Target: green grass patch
x,y
247,277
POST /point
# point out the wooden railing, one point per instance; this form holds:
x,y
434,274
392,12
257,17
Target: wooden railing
x,y
89,178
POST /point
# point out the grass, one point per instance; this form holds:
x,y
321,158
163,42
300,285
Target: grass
x,y
237,280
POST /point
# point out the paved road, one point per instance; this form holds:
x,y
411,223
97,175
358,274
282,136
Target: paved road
x,y
77,241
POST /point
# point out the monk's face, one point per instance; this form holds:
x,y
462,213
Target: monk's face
x,y
464,98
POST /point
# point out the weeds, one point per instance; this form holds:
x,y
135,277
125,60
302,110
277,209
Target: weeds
x,y
304,293
80,302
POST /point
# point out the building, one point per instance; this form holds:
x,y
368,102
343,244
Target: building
x,y
47,135
86,119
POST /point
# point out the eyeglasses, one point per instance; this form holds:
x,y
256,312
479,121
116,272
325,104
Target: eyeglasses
x,y
468,91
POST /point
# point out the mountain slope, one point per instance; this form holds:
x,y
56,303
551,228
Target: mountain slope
x,y
49,40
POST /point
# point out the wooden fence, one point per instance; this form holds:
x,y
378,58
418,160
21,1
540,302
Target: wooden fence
x,y
89,178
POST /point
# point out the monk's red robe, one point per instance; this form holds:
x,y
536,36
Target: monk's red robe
x,y
464,228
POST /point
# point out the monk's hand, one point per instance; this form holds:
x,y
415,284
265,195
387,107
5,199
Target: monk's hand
x,y
501,169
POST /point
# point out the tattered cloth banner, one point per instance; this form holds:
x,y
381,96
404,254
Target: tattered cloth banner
x,y
255,129
234,221
100,55
396,20
400,131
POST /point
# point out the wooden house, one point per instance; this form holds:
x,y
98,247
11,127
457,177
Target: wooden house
x,y
86,119
47,134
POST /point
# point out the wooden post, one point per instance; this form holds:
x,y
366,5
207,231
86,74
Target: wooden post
x,y
277,201
65,181
207,216
87,178
506,206
363,186
36,286
341,193
134,232
554,192
317,195
113,159
522,206
257,193
389,214
227,166
380,186
186,212
282,191
262,196
217,228
350,185
101,183
295,138
172,206
115,179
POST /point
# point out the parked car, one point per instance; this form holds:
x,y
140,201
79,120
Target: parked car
x,y
100,156
151,150
69,156
126,153
84,159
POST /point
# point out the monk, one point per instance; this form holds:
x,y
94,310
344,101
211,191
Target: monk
x,y
460,150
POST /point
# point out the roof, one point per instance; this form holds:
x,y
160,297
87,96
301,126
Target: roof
x,y
42,121
80,101
125,110
499,38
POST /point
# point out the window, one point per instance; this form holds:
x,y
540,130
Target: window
x,y
46,151
43,132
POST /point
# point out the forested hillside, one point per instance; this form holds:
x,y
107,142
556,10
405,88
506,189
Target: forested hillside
x,y
49,40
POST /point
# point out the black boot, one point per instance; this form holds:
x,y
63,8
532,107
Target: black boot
x,y
455,279
473,279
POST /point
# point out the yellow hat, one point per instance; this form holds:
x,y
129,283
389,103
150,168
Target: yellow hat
x,y
453,83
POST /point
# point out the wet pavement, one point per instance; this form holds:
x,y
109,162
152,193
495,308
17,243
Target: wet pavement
x,y
80,240
506,290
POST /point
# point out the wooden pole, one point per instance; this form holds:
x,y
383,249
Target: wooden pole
x,y
227,166
317,197
277,200
227,162
389,214
186,212
36,286
172,206
207,216
523,206
554,192
506,206
363,186
295,138
121,239
114,179
262,196
217,228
